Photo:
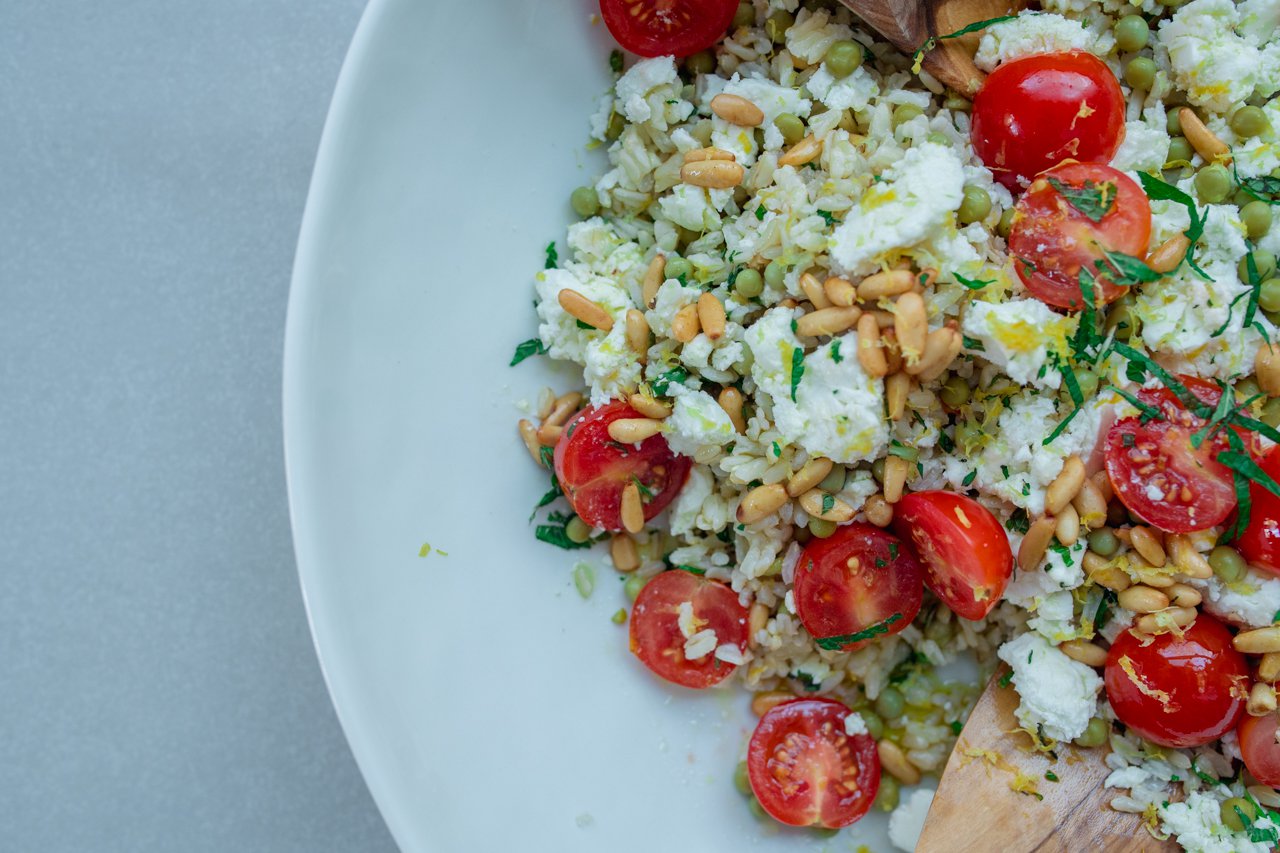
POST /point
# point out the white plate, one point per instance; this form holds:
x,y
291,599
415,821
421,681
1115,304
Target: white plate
x,y
489,706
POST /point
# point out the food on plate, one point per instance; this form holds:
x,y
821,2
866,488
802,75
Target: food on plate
x,y
876,380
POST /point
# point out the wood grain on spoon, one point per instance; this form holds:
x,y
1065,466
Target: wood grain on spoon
x,y
976,811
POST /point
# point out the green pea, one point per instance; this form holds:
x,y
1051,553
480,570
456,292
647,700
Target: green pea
x,y
918,689
1241,198
1270,414
1087,381
631,588
741,780
745,16
677,267
774,273
1230,815
877,470
1140,73
1227,563
821,529
584,202
887,797
957,104
1103,542
1121,317
702,132
702,62
749,283
1249,121
834,481
890,703
1213,183
904,113
1269,295
1131,33
1179,151
875,725
777,24
1006,223
975,206
1095,734
1256,216
577,530
955,392
1173,123
616,125
844,57
824,831
1264,262
791,127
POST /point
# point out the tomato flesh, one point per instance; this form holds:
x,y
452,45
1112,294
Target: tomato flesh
x,y
593,469
806,770
1259,748
658,637
964,550
1260,543
857,578
1032,113
1178,691
1054,235
667,27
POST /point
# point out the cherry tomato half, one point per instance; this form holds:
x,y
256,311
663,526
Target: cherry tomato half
x,y
667,27
806,770
1259,748
1178,691
965,552
1055,234
658,639
859,577
1260,544
1032,113
593,469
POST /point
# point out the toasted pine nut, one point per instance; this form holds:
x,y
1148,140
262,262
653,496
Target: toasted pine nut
x,y
1036,542
1269,667
1259,641
1265,795
761,502
730,400
878,510
813,290
1103,573
1065,486
632,508
1089,654
788,303
1103,482
895,478
549,434
1068,527
566,405
896,389
911,325
836,510
685,325
654,276
1188,560
810,474
763,703
940,349
1089,505
708,153
1159,623
888,283
649,407
529,434
892,352
736,109
711,315
1262,700
1202,139
1266,364
840,292
828,321
1143,599
546,402
1147,544
894,760
638,333
870,354
634,430
622,550
757,619
582,308
1167,256
712,174
1184,595
802,152
1151,576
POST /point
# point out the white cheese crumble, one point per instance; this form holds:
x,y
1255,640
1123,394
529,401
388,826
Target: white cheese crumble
x,y
906,822
697,421
1197,824
1251,602
1059,695
650,92
1028,34
1145,148
854,725
1218,56
609,365
1019,336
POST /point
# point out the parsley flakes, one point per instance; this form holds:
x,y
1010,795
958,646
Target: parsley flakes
x,y
837,643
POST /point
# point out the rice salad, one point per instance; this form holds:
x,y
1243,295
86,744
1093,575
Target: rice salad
x,y
797,276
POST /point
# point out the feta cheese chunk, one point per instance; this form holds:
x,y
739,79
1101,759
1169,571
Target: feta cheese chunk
x,y
1028,34
1059,695
1145,148
1019,336
1251,602
1217,58
906,822
1197,824
697,421
609,365
650,92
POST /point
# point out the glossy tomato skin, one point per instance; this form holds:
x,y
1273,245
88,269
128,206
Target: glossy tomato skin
x,y
858,577
1178,691
593,469
1032,113
1051,239
964,550
1260,544
806,770
1259,748
659,642
667,27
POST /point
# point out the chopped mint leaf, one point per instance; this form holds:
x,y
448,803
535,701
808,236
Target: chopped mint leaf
x,y
972,344
1062,425
969,478
615,61
1051,776
973,283
693,570
646,493
956,727
837,643
777,450
1125,270
674,376
836,357
760,212
554,534
533,346
1157,189
797,370
1018,522
1005,679
828,217
548,457
828,503
1093,199
553,257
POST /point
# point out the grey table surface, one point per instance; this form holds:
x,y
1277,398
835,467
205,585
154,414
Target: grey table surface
x,y
158,687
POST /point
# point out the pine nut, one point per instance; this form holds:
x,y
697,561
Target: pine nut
x,y
638,333
582,308
632,508
1265,795
761,502
712,174
1269,667
549,434
1259,641
1202,139
1262,700
1184,595
711,316
685,325
730,400
736,109
911,325
763,703
1065,486
529,435
1167,256
810,474
878,510
888,283
894,760
802,152
884,319
840,292
708,153
546,402
1149,575
566,405
896,389
1103,482
1266,364
892,352
813,290
1036,542
654,276
1090,507
1162,622
788,303
1143,599
1089,654
634,430
895,477
1147,544
649,407
1103,573
1068,527
622,550
940,349
1188,560
757,619
814,500
870,354
828,321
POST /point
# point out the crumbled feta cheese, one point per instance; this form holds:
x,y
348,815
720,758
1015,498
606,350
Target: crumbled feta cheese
x,y
1197,824
906,822
852,92
1059,695
1028,34
1251,602
1216,58
697,421
690,207
1021,336
813,33
854,724
650,92
1145,148
690,500
609,365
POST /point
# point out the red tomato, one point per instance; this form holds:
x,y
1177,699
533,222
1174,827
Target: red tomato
x,y
1051,238
806,770
1033,113
656,635
593,469
1259,747
667,27
1260,544
859,577
966,554
1178,691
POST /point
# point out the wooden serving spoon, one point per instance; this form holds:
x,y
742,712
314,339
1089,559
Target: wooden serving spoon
x,y
907,24
976,811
